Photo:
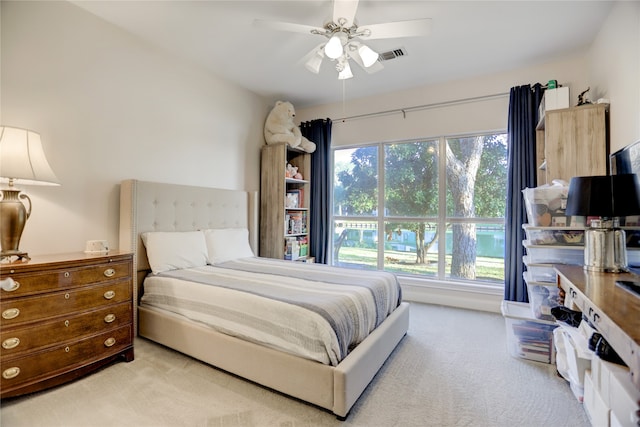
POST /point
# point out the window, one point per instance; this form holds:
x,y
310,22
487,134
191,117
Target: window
x,y
432,208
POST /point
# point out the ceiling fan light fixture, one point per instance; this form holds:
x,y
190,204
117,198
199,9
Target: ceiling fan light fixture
x,y
333,49
345,73
314,63
368,55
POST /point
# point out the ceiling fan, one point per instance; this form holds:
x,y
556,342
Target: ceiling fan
x,y
344,38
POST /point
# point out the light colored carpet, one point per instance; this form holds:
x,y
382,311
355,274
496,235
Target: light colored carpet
x,y
452,369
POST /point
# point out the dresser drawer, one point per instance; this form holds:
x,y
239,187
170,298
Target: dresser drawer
x,y
46,306
16,341
40,365
63,278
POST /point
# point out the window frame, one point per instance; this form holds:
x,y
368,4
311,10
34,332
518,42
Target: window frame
x,y
441,219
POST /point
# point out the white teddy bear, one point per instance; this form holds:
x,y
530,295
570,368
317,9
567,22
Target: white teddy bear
x,y
279,127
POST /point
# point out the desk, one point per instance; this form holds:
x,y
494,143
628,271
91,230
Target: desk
x,y
611,309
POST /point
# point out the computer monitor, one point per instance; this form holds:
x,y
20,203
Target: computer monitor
x,y
626,160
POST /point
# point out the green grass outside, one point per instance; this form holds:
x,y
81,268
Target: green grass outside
x,y
487,269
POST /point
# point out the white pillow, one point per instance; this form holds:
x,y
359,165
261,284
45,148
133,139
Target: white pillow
x,y
172,250
225,244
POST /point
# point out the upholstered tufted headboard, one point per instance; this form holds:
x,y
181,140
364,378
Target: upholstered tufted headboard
x,y
153,206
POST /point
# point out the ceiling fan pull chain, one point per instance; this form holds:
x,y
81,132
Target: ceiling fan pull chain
x,y
344,97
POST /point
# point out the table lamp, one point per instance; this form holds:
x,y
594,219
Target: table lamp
x,y
609,198
22,161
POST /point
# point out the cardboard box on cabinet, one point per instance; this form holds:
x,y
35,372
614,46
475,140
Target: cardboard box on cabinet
x,y
556,99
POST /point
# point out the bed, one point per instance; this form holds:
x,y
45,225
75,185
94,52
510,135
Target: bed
x,y
149,208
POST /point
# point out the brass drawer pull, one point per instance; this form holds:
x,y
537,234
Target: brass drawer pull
x,y
9,284
11,373
10,343
110,342
10,313
110,272
109,318
66,349
109,294
66,323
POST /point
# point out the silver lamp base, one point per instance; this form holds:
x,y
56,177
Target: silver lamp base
x,y
605,248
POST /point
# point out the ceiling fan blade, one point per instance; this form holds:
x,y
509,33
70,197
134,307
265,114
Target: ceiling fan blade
x,y
288,26
389,30
344,9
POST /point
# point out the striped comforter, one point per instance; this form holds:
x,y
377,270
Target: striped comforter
x,y
310,310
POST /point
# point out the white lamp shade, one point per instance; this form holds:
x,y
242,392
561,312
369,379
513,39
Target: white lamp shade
x,y
345,73
22,158
333,49
314,63
369,57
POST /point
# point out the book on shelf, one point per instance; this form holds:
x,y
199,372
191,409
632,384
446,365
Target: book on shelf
x,y
293,199
296,247
296,222
300,197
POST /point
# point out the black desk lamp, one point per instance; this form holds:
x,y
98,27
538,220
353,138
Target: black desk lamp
x,y
608,197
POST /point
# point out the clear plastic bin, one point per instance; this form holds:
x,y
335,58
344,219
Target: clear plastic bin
x,y
554,235
548,254
540,272
542,298
527,337
546,205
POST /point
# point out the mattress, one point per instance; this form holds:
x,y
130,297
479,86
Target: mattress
x,y
312,311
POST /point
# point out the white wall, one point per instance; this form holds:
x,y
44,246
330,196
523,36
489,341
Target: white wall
x,y
110,107
477,116
614,72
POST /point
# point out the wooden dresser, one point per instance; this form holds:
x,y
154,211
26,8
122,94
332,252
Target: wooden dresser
x,y
63,316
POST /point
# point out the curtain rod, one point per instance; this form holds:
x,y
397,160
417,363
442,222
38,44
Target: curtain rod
x,y
422,107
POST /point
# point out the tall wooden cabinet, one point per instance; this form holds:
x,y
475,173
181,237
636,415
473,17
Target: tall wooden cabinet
x,y
573,142
284,203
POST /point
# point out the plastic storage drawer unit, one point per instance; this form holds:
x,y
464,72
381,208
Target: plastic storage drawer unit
x,y
543,296
554,235
527,337
540,272
550,254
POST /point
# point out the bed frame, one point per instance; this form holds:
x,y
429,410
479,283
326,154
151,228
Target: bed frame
x,y
150,206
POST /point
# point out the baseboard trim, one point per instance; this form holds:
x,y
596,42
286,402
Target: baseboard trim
x,y
454,295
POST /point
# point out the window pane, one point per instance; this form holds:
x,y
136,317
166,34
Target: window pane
x,y
355,182
477,176
411,179
355,244
475,252
404,250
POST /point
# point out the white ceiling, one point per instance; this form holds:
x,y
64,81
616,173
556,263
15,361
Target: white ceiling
x,y
468,38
